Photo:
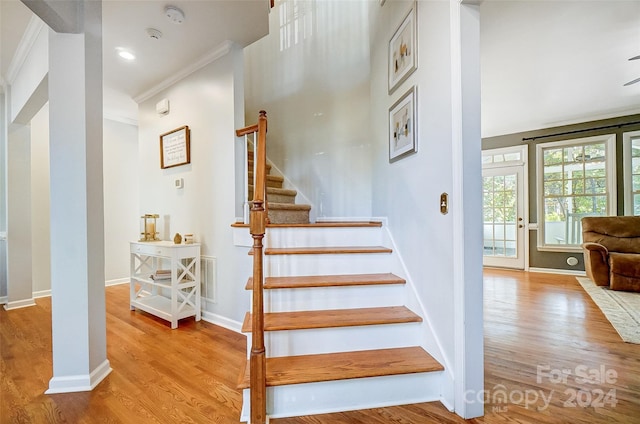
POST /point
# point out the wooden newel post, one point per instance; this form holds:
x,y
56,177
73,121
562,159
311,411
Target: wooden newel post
x,y
258,219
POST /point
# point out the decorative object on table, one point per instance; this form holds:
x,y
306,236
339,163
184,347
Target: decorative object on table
x,y
177,239
175,148
403,51
188,239
149,232
402,126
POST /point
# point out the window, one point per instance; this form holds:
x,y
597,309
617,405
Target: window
x,y
295,22
632,173
576,178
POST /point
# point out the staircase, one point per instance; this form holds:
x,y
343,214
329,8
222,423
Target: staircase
x,y
282,208
338,335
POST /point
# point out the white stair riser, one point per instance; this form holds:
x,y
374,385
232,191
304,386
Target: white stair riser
x,y
313,299
318,237
348,395
344,339
364,263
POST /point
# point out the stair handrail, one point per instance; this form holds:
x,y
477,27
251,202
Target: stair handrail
x,y
257,228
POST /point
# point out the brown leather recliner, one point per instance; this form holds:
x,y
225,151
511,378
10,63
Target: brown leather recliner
x,y
611,246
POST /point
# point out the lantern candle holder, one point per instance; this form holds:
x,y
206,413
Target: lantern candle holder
x,y
148,223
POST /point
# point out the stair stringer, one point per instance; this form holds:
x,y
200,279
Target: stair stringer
x,y
430,340
363,393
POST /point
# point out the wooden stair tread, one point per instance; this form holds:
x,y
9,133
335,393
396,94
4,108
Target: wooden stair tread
x,y
327,250
333,318
344,365
312,281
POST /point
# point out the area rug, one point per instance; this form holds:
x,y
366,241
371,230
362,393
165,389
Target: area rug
x,y
622,309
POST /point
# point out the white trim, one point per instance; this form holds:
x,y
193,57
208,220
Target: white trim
x,y
609,141
215,54
221,321
557,271
41,293
626,159
3,300
24,47
117,281
17,304
79,383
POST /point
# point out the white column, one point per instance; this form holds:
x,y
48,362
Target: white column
x,y
466,206
19,284
77,213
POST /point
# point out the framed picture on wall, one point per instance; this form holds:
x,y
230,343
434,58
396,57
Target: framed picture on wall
x,y
403,51
402,126
175,148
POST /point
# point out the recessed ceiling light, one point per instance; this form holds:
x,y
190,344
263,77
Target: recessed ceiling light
x,y
174,14
125,54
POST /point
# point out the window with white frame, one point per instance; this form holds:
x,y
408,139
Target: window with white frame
x,y
631,160
576,178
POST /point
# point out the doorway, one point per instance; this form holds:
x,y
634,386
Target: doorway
x,y
504,187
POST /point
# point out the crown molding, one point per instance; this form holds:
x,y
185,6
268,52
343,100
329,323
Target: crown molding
x,y
24,47
215,54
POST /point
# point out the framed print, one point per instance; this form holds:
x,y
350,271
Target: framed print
x,y
175,148
402,126
403,51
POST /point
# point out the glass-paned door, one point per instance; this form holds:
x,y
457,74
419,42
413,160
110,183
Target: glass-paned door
x,y
502,209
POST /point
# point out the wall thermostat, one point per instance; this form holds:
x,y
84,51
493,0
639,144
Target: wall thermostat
x,y
179,182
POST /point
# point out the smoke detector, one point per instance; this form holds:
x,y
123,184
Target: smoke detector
x,y
174,14
154,33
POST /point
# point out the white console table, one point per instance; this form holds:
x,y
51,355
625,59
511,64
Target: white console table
x,y
170,299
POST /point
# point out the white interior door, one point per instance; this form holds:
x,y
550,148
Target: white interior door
x,y
503,216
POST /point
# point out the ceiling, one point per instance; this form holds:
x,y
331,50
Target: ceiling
x,y
207,26
544,63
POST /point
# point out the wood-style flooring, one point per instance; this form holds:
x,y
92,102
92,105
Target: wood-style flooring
x,y
545,341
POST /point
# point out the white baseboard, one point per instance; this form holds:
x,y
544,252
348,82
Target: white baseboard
x,y
222,321
558,271
17,304
42,293
3,300
116,282
79,383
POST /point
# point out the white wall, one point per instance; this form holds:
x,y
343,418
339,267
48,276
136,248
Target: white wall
x,y
19,215
205,101
121,191
316,94
408,191
40,201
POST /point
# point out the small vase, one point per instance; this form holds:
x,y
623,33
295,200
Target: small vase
x,y
177,239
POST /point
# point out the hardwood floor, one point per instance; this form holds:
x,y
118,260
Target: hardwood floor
x,y
189,375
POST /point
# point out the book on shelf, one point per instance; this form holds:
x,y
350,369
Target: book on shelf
x,y
161,274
